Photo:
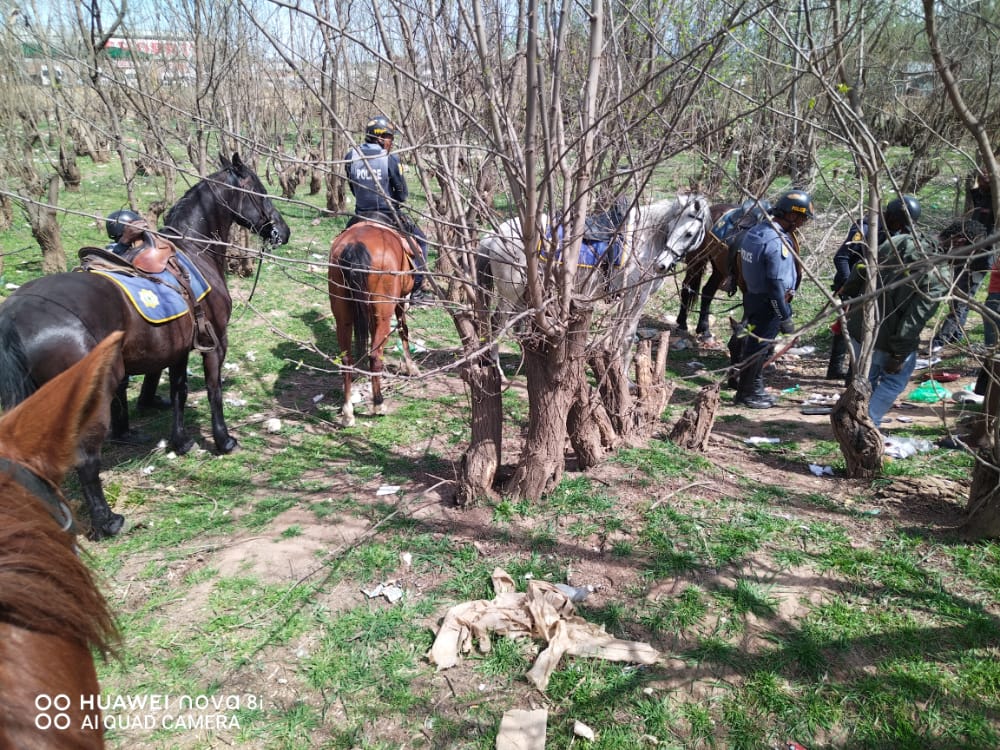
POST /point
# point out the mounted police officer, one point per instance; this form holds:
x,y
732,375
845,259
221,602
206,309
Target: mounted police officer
x,y
380,189
769,265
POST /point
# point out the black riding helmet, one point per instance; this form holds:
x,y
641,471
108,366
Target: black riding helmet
x,y
897,210
115,225
794,202
377,128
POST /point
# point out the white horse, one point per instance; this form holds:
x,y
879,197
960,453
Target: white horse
x,y
654,238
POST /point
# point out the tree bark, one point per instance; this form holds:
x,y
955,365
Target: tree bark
x,y
554,370
859,438
45,229
482,458
591,432
694,428
652,390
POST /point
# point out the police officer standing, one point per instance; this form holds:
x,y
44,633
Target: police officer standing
x,y
769,266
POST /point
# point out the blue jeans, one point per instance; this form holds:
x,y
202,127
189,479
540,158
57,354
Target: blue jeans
x,y
886,386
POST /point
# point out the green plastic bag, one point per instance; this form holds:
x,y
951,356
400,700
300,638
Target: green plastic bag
x,y
929,392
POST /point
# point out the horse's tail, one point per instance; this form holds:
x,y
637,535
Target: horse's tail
x,y
356,264
15,377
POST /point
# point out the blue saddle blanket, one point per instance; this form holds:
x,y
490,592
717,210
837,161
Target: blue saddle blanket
x,y
593,252
160,300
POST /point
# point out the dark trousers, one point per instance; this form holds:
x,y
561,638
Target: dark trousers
x,y
761,329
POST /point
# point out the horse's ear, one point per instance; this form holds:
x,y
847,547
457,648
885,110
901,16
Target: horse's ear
x,y
237,161
43,431
226,164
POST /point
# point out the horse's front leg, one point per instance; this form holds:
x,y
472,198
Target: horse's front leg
x,y
404,336
103,521
119,411
212,361
179,440
707,295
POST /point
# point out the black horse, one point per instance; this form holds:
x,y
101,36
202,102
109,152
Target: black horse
x,y
52,322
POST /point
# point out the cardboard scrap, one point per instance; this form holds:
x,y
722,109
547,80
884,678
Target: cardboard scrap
x,y
523,730
542,612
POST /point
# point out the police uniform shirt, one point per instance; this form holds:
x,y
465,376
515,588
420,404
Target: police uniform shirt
x,y
766,256
375,178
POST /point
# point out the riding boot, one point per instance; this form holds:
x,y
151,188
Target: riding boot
x,y
735,346
750,390
982,382
839,366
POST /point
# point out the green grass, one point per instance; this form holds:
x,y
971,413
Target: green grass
x,y
780,613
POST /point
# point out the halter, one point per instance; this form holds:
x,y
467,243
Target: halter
x,y
43,491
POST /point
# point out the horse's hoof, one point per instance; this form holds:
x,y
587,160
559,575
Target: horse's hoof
x,y
130,437
182,447
156,403
227,446
108,528
381,410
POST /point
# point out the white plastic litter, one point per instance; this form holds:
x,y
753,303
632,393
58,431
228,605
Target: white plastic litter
x,y
966,396
575,593
582,730
901,447
756,440
923,364
801,351
387,489
821,470
273,425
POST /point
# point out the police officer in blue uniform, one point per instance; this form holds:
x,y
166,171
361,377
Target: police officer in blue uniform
x,y
380,189
770,270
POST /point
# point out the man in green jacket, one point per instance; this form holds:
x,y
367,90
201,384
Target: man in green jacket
x,y
907,298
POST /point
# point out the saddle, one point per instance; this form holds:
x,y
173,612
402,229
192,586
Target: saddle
x,y
155,256
410,246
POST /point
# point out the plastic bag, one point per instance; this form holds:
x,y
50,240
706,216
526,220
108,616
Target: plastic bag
x,y
929,392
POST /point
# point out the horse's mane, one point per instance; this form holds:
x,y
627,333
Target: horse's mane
x,y
44,586
192,196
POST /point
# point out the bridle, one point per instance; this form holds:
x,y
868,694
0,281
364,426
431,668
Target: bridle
x,y
41,490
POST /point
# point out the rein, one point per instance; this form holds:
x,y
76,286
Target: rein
x,y
41,490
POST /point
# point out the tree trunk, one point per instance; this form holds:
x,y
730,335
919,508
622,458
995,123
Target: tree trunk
x,y
482,458
554,372
983,508
613,385
983,520
694,428
859,438
652,390
590,430
69,170
45,229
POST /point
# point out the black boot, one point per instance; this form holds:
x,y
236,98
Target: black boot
x,y
982,382
839,367
750,392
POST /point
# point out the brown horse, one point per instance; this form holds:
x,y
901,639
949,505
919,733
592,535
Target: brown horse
x,y
369,277
51,613
712,251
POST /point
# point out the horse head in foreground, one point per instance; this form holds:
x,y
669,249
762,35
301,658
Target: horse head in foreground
x,y
53,321
51,613
369,277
